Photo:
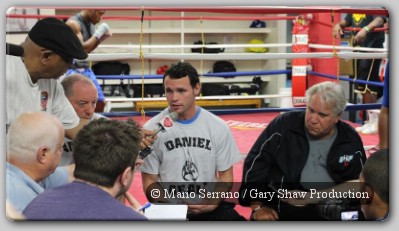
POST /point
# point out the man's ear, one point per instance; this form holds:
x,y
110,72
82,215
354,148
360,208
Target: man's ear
x,y
338,117
46,55
197,89
370,193
41,154
126,177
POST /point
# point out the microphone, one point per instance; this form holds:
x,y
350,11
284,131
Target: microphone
x,y
164,125
166,122
15,50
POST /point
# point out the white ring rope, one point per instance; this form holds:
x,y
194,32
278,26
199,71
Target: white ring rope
x,y
237,56
195,46
367,49
219,97
269,45
345,52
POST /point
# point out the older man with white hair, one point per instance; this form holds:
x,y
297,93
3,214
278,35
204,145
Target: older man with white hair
x,y
34,149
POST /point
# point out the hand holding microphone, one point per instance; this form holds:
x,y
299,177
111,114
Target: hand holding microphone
x,y
163,125
102,32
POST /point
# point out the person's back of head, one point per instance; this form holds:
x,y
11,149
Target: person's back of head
x,y
32,137
375,175
180,70
103,149
331,93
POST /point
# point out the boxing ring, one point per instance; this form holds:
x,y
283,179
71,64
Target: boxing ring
x,y
246,124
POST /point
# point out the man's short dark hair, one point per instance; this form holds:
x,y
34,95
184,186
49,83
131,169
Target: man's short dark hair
x,y
376,173
180,70
104,148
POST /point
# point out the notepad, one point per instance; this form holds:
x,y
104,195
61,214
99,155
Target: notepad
x,y
166,212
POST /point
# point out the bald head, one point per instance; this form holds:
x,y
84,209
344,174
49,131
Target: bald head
x,y
69,82
81,93
29,132
93,16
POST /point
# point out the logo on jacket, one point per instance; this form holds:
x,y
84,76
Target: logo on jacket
x,y
345,159
44,100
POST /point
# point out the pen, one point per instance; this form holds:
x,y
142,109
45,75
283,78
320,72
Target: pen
x,y
145,206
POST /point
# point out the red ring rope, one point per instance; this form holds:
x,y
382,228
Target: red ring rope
x,y
161,17
238,9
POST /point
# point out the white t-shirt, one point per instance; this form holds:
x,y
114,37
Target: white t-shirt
x,y
44,95
193,151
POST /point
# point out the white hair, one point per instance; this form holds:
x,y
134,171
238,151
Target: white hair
x,y
330,92
29,132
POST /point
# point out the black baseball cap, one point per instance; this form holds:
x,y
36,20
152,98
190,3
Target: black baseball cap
x,y
55,35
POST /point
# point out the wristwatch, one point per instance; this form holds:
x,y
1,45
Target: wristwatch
x,y
253,212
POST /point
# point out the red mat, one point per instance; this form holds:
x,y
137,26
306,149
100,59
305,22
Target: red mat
x,y
245,128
